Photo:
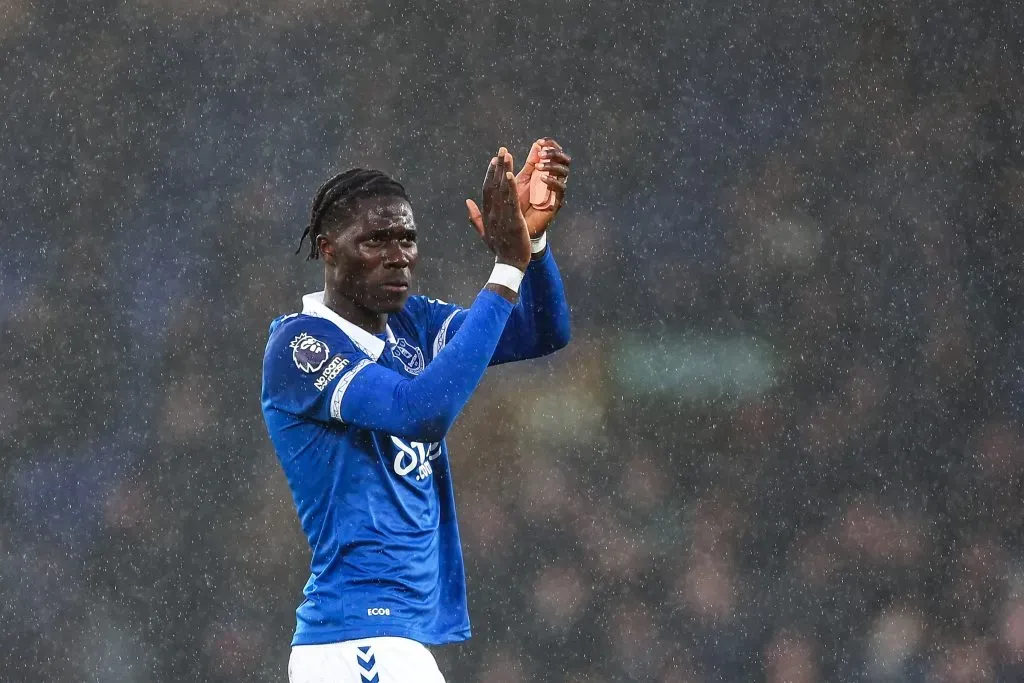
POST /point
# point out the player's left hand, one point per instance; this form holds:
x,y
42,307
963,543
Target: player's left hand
x,y
545,155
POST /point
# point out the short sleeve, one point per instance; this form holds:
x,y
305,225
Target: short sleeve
x,y
308,366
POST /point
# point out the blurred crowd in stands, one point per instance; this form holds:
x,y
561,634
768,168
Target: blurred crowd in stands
x,y
842,184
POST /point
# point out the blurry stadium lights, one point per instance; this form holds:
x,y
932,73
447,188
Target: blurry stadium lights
x,y
693,367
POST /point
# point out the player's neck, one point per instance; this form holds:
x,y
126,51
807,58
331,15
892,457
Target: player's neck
x,y
372,322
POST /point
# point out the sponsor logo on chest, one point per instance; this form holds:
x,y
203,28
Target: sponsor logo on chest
x,y
414,458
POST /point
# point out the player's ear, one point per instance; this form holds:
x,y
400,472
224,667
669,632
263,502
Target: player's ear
x,y
326,249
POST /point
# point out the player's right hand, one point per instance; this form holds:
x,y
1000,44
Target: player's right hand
x,y
501,224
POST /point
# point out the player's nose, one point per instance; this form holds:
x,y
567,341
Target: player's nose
x,y
397,257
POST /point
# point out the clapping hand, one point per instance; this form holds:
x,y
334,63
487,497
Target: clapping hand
x,y
501,224
547,164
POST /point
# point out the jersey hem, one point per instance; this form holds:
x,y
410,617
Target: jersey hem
x,y
341,635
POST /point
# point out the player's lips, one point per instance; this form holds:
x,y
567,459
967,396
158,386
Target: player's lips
x,y
397,286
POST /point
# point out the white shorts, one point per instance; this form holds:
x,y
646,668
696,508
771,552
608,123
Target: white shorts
x,y
369,660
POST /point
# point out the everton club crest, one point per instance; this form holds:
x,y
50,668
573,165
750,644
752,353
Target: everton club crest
x,y
410,356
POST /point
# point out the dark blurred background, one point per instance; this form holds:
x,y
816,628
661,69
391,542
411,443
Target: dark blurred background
x,y
784,446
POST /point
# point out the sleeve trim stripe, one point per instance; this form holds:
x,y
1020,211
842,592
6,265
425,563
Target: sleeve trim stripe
x,y
442,336
342,386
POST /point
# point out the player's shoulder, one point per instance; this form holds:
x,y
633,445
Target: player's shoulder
x,y
305,338
420,315
424,308
293,324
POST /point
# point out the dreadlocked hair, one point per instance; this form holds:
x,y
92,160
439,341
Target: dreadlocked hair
x,y
336,200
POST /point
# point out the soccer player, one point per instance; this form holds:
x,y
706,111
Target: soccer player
x,y
359,391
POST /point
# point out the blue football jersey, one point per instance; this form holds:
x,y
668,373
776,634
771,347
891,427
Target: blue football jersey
x,y
378,508
358,422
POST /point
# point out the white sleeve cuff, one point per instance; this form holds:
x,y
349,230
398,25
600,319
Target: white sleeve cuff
x,y
537,245
507,276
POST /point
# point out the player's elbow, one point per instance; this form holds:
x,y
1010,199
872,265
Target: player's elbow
x,y
557,338
429,428
429,411
562,335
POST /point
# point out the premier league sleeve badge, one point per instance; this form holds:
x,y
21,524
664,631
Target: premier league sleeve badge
x,y
309,353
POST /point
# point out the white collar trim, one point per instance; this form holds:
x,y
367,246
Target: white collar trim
x,y
371,345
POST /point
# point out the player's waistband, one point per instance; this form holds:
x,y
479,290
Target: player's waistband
x,y
368,659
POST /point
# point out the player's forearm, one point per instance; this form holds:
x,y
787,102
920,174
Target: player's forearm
x,y
424,408
539,325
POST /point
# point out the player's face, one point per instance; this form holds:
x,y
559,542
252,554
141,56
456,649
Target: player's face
x,y
376,254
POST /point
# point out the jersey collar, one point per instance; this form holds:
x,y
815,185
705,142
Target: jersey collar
x,y
371,345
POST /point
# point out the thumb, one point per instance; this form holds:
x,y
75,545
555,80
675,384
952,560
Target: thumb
x,y
475,217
